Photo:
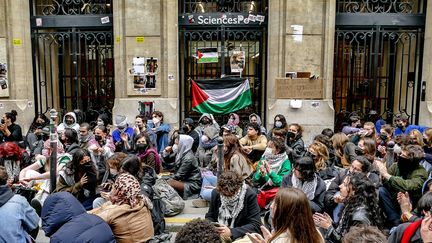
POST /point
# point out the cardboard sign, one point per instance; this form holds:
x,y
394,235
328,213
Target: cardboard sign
x,y
299,88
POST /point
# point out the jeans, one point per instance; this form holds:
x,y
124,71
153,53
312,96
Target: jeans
x,y
208,180
390,207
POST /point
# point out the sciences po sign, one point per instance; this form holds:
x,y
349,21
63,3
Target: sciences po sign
x,y
228,19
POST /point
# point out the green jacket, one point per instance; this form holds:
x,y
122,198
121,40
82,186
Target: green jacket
x,y
412,184
276,178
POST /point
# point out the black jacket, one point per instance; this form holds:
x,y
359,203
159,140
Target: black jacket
x,y
188,171
317,203
247,221
297,148
15,136
396,236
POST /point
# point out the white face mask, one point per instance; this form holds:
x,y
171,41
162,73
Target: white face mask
x,y
175,148
155,120
278,124
268,151
100,123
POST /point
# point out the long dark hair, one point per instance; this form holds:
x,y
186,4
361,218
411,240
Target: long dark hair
x,y
232,145
74,165
364,196
292,201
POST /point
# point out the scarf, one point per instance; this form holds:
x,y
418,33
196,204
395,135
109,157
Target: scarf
x,y
12,168
231,207
127,190
275,161
308,187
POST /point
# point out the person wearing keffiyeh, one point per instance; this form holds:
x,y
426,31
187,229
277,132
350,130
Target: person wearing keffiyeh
x,y
128,211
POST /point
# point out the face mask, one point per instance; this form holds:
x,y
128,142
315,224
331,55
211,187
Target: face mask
x,y
405,165
155,120
100,123
185,128
141,147
121,129
69,121
98,138
268,151
113,171
84,138
358,126
205,121
204,139
400,126
175,148
278,124
383,136
291,134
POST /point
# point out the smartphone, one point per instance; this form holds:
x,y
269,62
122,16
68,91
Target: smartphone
x,y
216,224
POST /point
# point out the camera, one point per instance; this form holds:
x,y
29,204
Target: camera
x,y
2,121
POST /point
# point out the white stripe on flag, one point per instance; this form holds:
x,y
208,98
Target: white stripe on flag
x,y
219,96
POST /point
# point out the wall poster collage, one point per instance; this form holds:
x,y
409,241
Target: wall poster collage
x,y
144,71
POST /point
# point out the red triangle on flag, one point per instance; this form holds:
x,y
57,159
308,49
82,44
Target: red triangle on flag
x,y
198,95
199,54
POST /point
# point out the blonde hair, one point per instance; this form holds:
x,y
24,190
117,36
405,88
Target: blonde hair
x,y
339,141
322,155
418,136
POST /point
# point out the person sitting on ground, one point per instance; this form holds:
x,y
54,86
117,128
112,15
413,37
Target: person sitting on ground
x,y
69,121
363,234
85,135
198,231
79,178
279,122
403,125
35,134
295,141
168,156
128,211
188,128
234,207
206,120
254,143
122,136
234,121
354,127
345,150
146,152
290,201
101,148
319,153
271,169
19,219
69,138
161,129
361,208
207,146
411,229
187,177
141,128
11,157
303,177
407,175
257,119
64,219
9,131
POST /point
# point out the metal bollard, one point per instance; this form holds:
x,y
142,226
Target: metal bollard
x,y
390,153
220,157
53,147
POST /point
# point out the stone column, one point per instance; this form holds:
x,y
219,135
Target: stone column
x,y
425,113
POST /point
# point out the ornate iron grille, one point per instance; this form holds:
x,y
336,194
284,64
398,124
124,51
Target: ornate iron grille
x,y
72,7
211,6
381,6
378,65
226,40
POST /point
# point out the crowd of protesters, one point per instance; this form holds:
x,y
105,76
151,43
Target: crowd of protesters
x,y
370,182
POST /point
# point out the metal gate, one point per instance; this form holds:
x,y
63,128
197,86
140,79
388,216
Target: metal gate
x,y
378,58
72,47
226,38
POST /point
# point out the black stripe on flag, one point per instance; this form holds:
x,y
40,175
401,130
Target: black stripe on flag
x,y
224,83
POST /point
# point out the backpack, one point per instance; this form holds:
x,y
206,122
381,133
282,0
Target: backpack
x,y
174,204
157,214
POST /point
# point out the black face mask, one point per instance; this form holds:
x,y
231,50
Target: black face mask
x,y
141,147
185,128
309,154
400,126
406,165
291,134
205,121
425,141
98,138
383,136
39,137
358,126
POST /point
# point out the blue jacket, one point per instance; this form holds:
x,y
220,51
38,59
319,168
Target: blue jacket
x,y
408,129
17,217
162,136
64,219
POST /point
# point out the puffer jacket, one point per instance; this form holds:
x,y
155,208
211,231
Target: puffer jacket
x,y
64,219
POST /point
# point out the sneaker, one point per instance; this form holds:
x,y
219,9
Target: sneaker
x,y
200,203
37,205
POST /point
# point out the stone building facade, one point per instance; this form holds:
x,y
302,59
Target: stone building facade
x,y
299,36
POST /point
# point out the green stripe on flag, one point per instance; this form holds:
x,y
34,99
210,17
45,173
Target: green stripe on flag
x,y
238,103
208,59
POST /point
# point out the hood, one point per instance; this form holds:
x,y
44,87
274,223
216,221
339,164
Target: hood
x,y
257,117
236,119
184,146
211,132
58,209
204,115
5,194
72,114
424,188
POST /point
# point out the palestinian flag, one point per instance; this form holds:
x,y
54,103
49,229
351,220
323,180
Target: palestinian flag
x,y
207,55
220,96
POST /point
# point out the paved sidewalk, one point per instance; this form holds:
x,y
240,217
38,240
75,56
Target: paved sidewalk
x,y
173,224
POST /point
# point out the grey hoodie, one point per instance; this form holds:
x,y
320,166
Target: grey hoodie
x,y
63,125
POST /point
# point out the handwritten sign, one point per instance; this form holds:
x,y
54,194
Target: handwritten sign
x,y
299,88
